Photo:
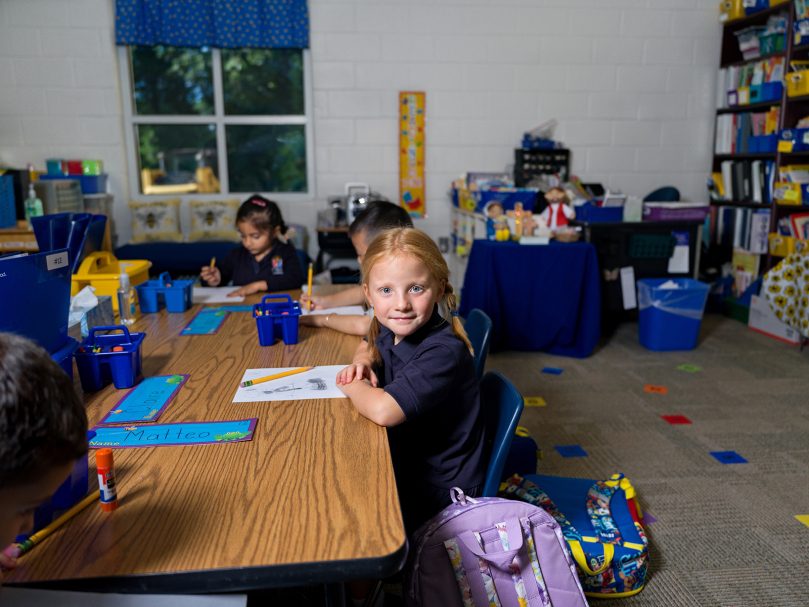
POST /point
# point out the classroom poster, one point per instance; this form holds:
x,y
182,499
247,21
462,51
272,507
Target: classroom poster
x,y
411,152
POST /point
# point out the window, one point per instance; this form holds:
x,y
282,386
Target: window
x,y
217,121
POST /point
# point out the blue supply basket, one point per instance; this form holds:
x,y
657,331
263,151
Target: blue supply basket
x,y
64,356
277,318
99,363
69,493
175,295
670,319
35,297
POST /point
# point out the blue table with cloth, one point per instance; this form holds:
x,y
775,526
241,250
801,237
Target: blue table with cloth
x,y
545,297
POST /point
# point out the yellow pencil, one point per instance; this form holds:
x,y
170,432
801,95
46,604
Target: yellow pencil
x,y
261,380
213,262
43,533
309,286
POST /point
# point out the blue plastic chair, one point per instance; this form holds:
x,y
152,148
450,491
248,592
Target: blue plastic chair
x,y
478,328
665,194
502,406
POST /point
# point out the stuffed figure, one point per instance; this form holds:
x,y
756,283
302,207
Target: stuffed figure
x,y
558,212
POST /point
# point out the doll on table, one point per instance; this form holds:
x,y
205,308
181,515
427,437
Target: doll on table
x,y
558,213
496,223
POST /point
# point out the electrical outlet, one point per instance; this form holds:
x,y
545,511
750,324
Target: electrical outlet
x,y
443,244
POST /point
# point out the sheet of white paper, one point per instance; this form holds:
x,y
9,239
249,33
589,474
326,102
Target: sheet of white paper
x,y
319,382
351,310
209,295
628,288
31,597
678,262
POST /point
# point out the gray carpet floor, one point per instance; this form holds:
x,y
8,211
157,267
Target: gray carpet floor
x,y
725,534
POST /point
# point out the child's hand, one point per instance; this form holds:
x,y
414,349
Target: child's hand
x,y
211,276
8,557
250,289
319,302
354,372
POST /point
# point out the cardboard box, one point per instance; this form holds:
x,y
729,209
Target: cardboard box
x,y
763,320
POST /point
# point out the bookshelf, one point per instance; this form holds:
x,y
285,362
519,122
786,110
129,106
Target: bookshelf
x,y
752,109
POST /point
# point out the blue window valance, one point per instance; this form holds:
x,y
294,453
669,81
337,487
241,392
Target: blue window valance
x,y
214,23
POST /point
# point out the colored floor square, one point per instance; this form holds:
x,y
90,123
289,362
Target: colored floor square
x,y
689,368
535,401
803,518
676,419
648,519
552,370
728,457
570,451
655,389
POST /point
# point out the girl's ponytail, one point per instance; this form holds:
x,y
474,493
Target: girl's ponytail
x,y
457,326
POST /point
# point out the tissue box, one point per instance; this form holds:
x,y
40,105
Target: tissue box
x,y
84,317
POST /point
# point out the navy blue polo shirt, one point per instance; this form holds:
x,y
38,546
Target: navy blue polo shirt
x,y
280,268
431,376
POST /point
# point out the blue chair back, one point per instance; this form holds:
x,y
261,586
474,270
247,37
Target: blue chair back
x,y
478,328
665,194
502,406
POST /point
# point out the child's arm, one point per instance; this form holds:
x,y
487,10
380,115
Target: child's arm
x,y
353,324
210,276
351,296
248,289
373,403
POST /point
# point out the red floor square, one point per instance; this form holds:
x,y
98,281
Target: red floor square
x,y
676,419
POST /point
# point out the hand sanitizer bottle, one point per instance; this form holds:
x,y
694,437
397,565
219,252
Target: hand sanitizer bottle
x,y
33,205
126,301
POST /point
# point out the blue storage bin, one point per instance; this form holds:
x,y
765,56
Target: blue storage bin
x,y
175,295
111,357
90,184
767,91
64,356
758,144
8,212
590,213
277,318
35,297
670,319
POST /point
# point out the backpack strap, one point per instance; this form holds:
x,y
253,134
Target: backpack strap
x,y
581,559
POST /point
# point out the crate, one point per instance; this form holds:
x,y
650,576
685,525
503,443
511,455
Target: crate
x,y
797,83
174,295
8,211
277,318
730,10
670,319
102,270
529,163
35,297
768,91
90,184
793,140
590,213
789,193
112,357
762,144
675,211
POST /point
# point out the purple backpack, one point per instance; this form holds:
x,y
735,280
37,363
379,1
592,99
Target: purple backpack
x,y
491,552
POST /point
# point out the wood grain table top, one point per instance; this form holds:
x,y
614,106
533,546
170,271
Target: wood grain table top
x,y
311,498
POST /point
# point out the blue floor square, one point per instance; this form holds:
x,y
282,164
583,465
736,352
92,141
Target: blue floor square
x,y
728,457
570,451
552,370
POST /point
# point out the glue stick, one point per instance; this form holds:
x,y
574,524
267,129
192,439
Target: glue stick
x,y
106,480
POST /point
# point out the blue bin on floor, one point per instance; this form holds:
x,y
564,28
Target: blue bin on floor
x,y
277,318
64,356
115,358
176,295
670,318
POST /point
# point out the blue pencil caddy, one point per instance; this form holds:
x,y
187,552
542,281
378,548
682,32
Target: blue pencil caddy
x,y
69,493
277,318
176,295
111,357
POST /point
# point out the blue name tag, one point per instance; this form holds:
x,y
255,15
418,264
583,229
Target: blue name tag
x,y
158,435
146,401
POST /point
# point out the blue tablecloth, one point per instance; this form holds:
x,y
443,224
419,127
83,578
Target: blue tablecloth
x,y
538,297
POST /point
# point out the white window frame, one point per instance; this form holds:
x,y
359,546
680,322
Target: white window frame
x,y
218,118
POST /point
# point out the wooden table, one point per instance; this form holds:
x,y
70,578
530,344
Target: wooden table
x,y
312,498
16,239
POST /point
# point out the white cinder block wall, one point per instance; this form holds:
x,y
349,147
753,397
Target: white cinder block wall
x,y
631,83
